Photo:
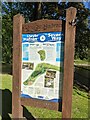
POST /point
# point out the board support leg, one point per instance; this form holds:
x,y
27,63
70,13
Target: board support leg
x,y
68,62
17,109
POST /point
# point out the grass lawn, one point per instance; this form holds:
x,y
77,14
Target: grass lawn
x,y
78,61
79,105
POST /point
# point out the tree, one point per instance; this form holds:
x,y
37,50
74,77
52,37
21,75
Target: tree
x,y
8,11
44,10
82,31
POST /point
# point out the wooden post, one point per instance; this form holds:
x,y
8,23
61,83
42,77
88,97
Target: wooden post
x,y
17,110
68,62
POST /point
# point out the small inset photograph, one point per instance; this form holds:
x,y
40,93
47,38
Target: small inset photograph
x,y
49,82
51,73
28,66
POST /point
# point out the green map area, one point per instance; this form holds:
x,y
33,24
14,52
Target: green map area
x,y
39,70
42,54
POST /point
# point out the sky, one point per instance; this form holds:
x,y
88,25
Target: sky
x,y
87,4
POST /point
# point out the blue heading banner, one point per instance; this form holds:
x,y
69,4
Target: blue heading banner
x,y
43,37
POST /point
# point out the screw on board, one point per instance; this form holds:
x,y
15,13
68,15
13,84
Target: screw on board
x,y
73,22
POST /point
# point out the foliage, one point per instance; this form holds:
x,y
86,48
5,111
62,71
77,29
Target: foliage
x,y
7,38
7,31
82,31
44,10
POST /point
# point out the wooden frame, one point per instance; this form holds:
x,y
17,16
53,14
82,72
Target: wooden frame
x,y
20,27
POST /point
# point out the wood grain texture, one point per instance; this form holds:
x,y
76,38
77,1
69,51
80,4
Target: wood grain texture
x,y
17,110
43,25
41,103
68,63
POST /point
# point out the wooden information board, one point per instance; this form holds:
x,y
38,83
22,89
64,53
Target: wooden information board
x,y
43,56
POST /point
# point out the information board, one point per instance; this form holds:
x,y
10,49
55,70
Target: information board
x,y
42,65
38,71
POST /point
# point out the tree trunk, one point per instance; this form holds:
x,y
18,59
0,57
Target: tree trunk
x,y
37,11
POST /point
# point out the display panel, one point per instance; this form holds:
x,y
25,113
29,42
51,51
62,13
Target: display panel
x,y
42,66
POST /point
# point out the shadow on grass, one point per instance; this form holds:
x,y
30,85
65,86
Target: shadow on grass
x,y
7,106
